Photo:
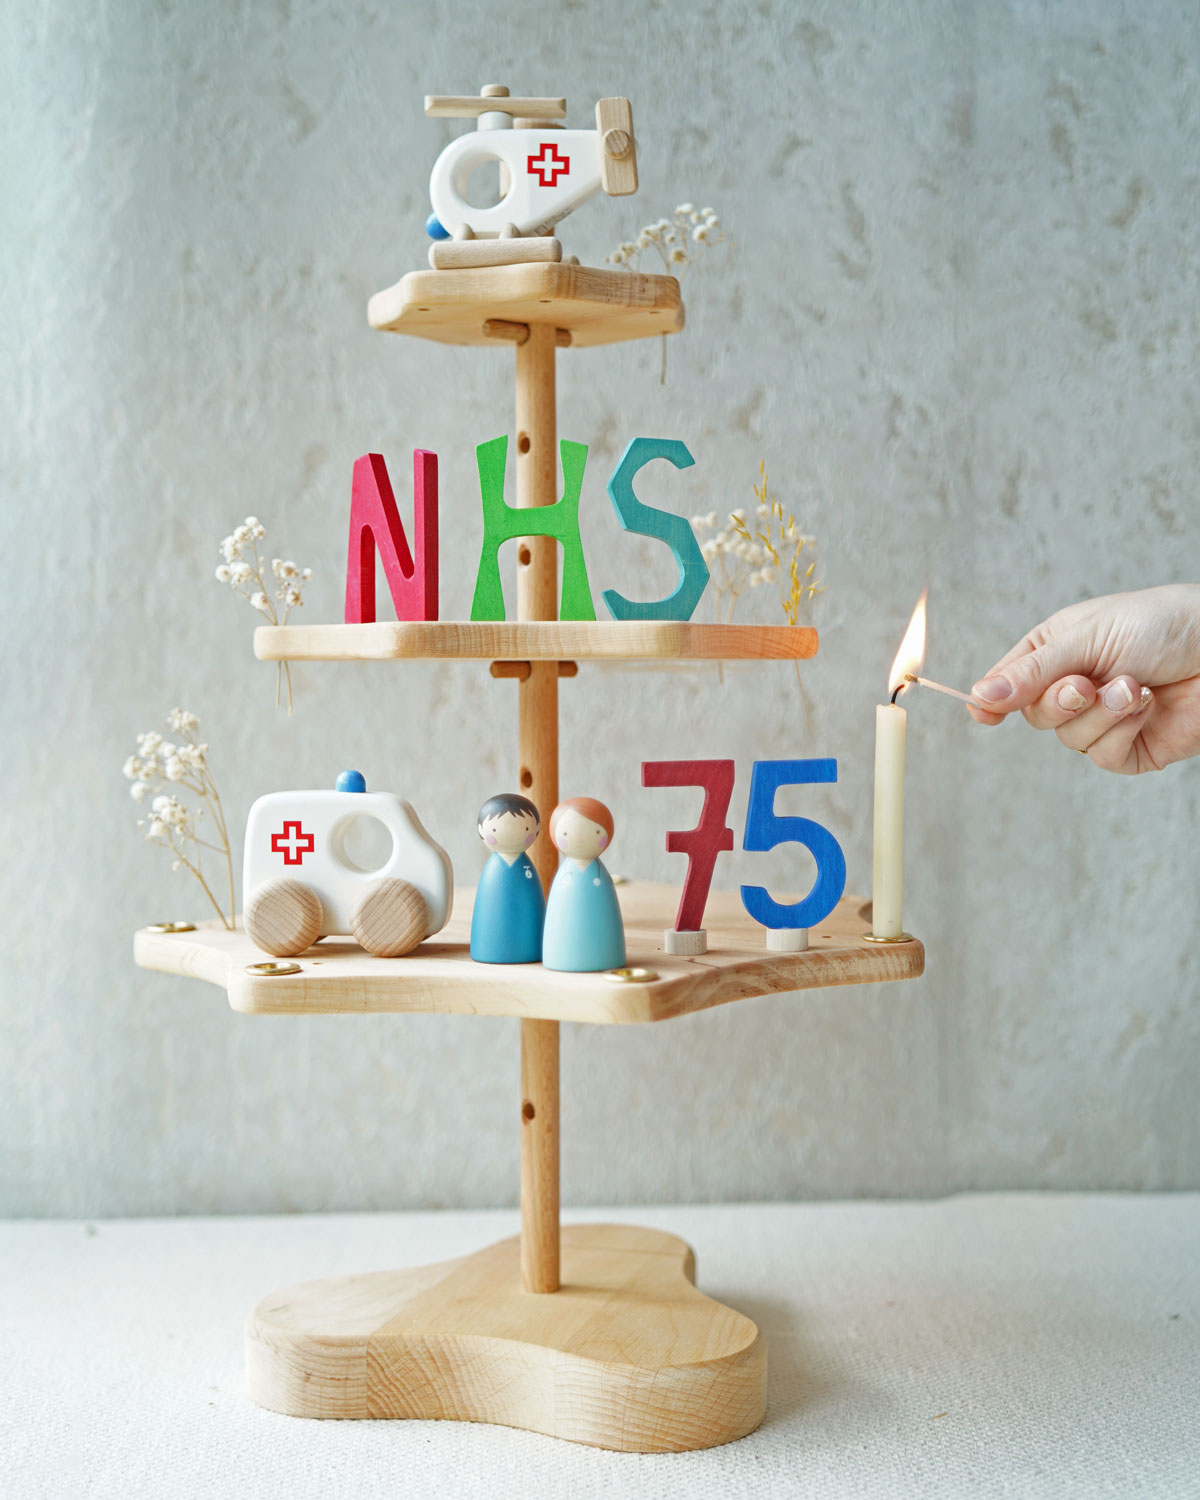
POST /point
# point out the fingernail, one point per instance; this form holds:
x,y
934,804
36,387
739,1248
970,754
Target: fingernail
x,y
1071,699
992,689
1117,696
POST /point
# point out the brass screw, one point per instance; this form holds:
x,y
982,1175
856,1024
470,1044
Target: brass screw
x,y
171,927
268,970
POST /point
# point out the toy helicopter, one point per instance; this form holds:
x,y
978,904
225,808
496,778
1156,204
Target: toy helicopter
x,y
545,172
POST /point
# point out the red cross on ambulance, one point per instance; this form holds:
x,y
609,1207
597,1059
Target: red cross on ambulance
x,y
292,842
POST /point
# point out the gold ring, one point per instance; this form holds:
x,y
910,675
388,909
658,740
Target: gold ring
x,y
1078,751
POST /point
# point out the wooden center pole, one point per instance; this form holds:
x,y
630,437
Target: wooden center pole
x,y
537,599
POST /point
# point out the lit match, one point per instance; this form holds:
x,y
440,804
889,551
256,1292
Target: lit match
x,y
939,687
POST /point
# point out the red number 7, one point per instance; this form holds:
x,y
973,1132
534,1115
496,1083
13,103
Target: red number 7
x,y
703,843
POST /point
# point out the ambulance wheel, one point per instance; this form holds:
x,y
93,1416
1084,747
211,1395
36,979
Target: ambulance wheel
x,y
391,919
283,917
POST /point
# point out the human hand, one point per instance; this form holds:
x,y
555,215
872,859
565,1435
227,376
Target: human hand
x,y
1116,678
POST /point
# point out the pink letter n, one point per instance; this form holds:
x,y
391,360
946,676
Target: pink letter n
x,y
375,522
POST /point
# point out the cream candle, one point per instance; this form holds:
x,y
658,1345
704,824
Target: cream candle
x,y
891,726
887,886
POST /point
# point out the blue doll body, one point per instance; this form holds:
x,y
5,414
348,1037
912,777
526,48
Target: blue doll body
x,y
583,930
506,921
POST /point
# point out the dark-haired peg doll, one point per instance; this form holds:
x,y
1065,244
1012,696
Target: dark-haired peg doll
x,y
506,922
583,930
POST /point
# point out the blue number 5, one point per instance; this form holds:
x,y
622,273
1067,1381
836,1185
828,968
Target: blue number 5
x,y
765,830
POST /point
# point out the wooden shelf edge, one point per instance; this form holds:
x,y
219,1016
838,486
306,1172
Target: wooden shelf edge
x,y
595,304
579,640
337,977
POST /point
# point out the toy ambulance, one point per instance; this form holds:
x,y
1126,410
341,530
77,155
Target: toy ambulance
x,y
301,881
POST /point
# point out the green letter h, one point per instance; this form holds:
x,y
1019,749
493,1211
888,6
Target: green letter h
x,y
503,522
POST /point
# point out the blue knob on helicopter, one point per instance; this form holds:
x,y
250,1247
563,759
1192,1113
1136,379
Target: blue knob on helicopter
x,y
435,229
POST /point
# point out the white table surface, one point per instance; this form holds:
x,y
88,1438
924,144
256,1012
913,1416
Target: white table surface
x,y
992,1345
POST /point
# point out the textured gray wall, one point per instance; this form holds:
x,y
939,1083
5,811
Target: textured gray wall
x,y
960,325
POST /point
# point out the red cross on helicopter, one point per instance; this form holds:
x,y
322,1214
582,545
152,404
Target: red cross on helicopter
x,y
548,165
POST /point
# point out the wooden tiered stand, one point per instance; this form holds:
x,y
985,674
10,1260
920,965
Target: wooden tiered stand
x,y
593,1333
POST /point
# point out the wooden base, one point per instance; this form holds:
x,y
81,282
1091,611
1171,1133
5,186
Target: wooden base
x,y
627,1355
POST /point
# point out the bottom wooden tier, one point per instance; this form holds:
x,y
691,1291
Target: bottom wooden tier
x,y
627,1355
336,976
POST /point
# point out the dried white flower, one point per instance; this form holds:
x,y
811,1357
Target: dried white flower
x,y
244,574
173,823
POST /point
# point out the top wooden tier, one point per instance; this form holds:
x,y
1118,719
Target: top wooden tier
x,y
594,306
535,640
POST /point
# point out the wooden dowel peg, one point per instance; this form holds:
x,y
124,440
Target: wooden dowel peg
x,y
517,333
685,944
787,939
500,328
520,669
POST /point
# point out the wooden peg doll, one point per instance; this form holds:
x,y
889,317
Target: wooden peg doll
x,y
583,930
506,921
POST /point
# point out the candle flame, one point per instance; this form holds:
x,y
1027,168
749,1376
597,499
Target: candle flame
x,y
911,656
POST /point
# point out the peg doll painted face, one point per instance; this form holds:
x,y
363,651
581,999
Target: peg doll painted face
x,y
508,824
581,828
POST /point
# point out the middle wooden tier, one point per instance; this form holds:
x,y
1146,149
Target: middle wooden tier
x,y
549,640
336,976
